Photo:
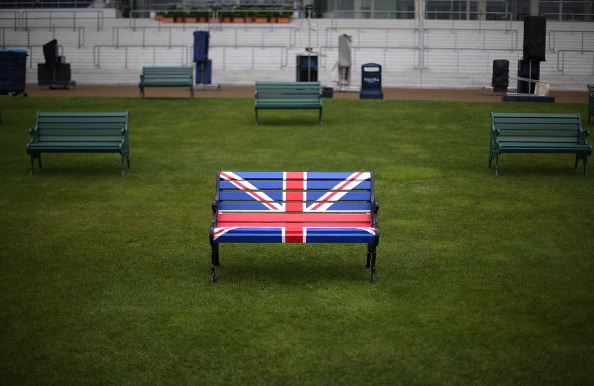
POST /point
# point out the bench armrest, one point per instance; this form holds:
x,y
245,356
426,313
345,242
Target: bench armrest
x,y
34,133
374,210
584,136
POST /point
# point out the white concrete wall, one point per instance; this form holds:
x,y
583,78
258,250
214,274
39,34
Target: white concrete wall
x,y
438,54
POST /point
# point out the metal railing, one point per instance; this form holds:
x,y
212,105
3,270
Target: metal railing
x,y
16,17
186,50
47,3
553,37
49,17
561,59
265,35
184,53
284,54
79,30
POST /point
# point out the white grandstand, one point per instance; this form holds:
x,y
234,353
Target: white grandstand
x,y
108,50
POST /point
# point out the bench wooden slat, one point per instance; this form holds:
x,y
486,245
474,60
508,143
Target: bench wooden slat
x,y
295,207
238,196
79,132
96,131
295,217
538,133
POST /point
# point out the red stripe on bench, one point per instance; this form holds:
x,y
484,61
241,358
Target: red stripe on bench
x,y
295,225
320,218
294,185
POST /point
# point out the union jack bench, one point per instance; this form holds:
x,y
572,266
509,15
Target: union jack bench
x,y
294,207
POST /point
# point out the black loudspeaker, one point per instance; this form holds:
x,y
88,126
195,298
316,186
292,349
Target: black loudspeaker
x,y
50,52
500,80
535,36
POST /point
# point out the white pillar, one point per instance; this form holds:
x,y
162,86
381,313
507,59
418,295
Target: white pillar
x,y
420,9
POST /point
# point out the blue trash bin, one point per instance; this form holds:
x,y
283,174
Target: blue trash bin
x,y
371,81
13,66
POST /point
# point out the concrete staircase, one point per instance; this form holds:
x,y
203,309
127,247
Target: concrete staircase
x,y
105,49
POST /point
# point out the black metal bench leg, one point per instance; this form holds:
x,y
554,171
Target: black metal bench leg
x,y
496,165
372,248
585,165
215,262
368,264
33,156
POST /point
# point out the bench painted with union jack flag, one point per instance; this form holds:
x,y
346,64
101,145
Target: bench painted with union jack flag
x,y
288,95
295,207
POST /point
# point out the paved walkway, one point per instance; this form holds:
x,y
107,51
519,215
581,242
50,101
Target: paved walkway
x,y
131,91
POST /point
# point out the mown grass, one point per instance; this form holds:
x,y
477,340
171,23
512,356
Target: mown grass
x,y
481,279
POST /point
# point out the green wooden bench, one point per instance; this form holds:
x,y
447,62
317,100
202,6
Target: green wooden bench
x,y
590,101
538,133
288,95
167,77
103,132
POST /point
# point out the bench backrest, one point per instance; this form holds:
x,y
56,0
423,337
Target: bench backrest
x,y
64,127
288,90
303,197
553,128
167,72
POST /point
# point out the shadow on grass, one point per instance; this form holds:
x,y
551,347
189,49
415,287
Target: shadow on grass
x,y
293,268
63,165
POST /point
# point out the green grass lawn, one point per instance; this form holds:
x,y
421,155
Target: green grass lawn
x,y
104,279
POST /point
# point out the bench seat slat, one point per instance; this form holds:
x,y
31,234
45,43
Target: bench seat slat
x,y
294,217
260,207
311,176
291,235
80,132
537,133
311,185
526,141
278,196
